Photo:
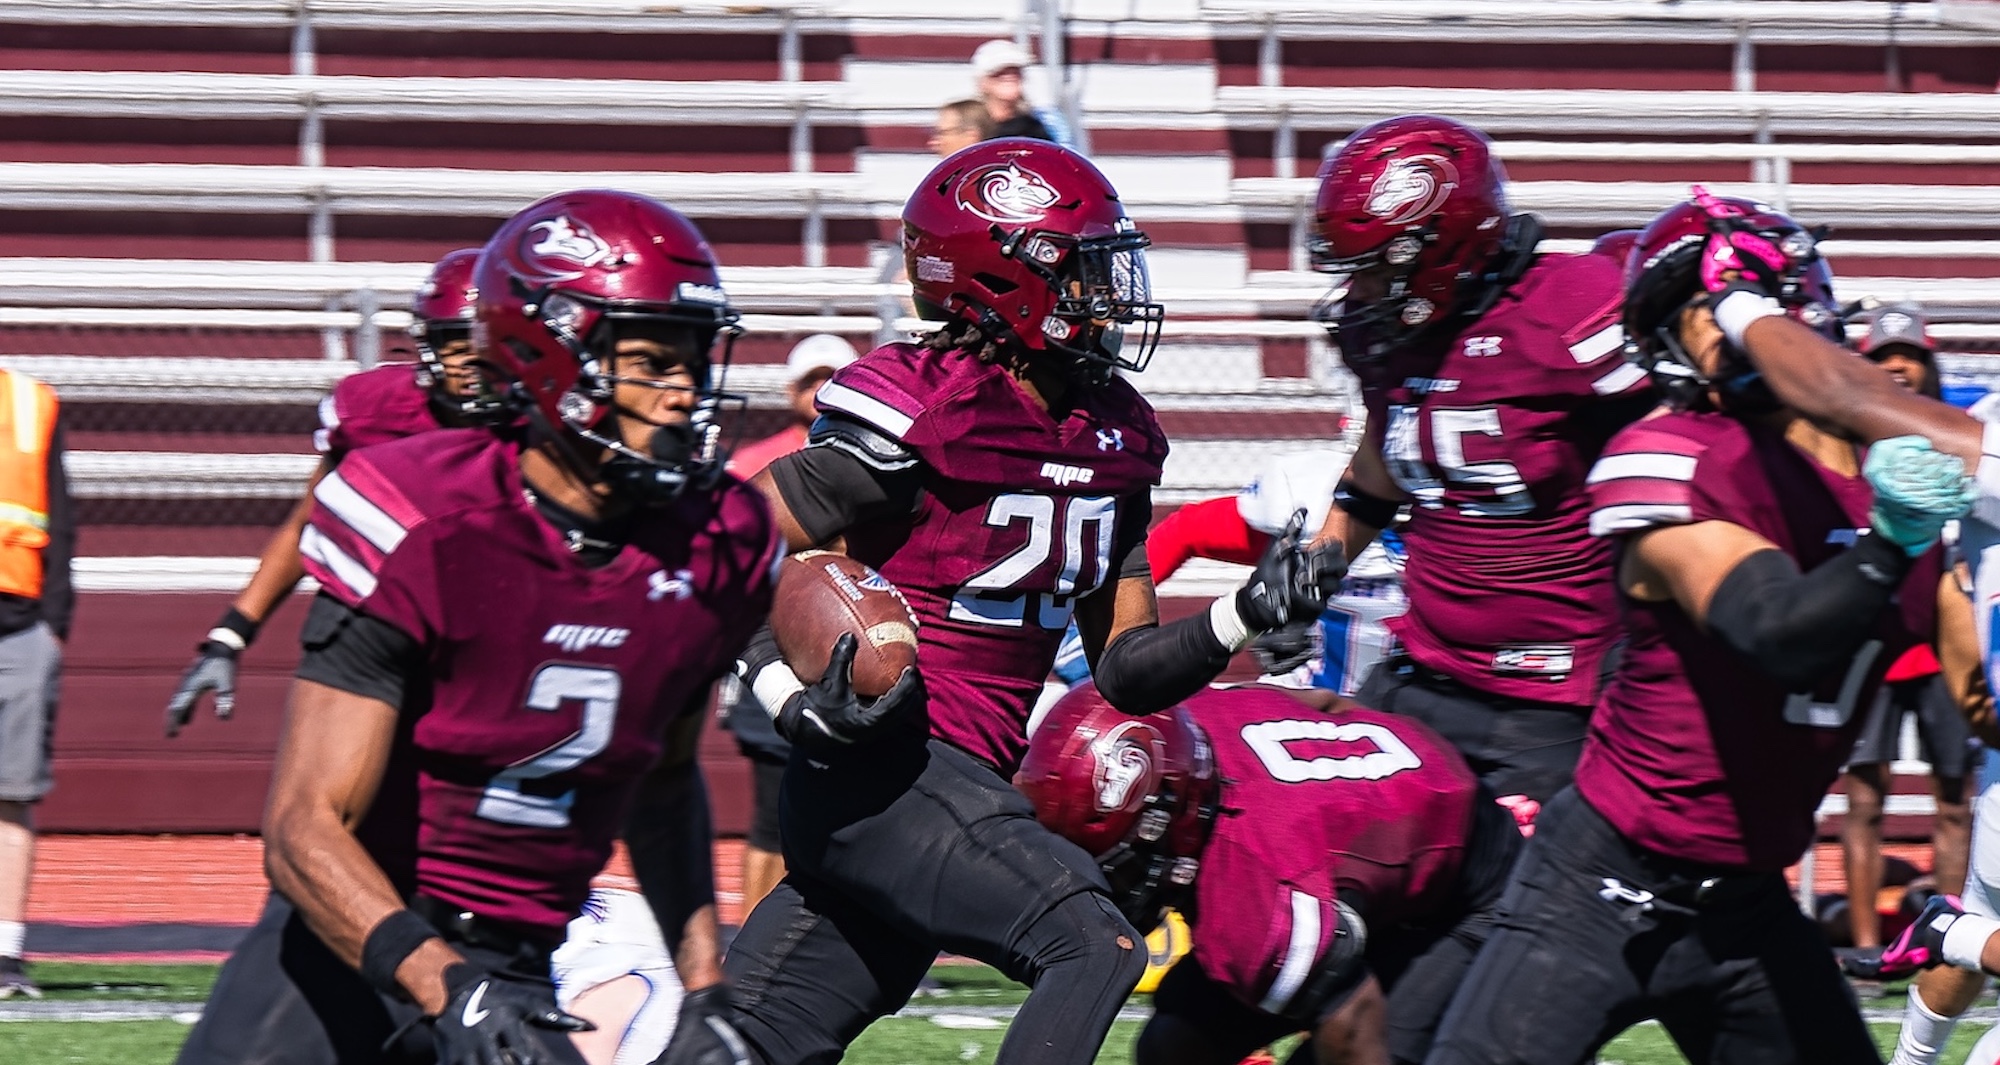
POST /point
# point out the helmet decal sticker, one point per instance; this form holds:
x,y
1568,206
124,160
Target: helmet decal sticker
x,y
1005,193
562,248
1123,763
1411,189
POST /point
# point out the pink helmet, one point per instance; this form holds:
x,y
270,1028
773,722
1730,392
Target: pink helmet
x,y
1424,197
1026,240
553,280
1140,794
1663,275
441,311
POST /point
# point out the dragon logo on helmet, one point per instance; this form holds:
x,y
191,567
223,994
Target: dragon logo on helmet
x,y
1123,764
562,248
1005,193
1411,189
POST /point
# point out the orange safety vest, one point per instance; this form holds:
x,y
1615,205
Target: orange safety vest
x,y
27,428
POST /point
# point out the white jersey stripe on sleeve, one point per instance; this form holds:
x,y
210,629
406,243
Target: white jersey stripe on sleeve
x,y
1300,953
1652,464
1609,521
359,512
344,568
1599,344
865,407
1622,379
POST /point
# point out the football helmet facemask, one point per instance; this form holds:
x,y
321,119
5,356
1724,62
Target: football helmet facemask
x,y
557,285
1139,794
1663,277
1412,218
1026,240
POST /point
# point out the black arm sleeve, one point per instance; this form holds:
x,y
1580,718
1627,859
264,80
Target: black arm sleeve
x,y
1150,668
1797,628
671,838
355,653
58,593
1128,552
847,473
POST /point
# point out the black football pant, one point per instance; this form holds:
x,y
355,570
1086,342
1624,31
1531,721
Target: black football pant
x,y
283,998
1419,964
905,847
1597,934
1514,746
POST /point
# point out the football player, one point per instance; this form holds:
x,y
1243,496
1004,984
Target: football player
x,y
1492,379
1828,384
508,663
1338,867
1758,575
1000,474
386,403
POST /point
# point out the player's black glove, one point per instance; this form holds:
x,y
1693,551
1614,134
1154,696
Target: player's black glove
x,y
1284,649
496,1018
1291,582
828,711
704,1035
213,669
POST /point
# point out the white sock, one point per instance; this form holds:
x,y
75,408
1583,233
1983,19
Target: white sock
x,y
1924,1033
1966,940
11,935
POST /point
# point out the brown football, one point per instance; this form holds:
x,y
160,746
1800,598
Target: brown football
x,y
822,594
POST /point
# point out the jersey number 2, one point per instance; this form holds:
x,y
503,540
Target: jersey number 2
x,y
1065,525
553,685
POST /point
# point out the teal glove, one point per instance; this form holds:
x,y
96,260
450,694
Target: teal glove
x,y
1917,490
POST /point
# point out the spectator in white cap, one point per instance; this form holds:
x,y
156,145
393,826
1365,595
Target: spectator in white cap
x,y
1899,342
811,362
997,71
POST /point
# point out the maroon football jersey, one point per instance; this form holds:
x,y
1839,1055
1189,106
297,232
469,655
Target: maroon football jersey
x,y
374,407
1370,808
1508,591
1019,513
1692,752
550,682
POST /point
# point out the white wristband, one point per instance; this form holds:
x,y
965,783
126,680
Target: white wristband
x,y
228,638
774,686
1965,940
1735,312
1227,624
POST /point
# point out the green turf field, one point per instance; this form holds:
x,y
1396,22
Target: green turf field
x,y
943,1037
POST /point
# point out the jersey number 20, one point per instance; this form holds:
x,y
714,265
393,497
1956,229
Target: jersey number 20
x,y
1065,527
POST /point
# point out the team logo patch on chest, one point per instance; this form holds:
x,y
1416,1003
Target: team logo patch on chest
x,y
575,638
1065,475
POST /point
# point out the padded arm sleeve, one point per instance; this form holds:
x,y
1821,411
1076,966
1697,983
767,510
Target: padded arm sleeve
x,y
1798,628
848,473
1152,667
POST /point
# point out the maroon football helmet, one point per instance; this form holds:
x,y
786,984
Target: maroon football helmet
x,y
1140,794
1615,245
1026,240
1663,276
1422,199
441,312
551,285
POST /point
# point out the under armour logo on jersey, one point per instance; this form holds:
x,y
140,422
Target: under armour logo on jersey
x,y
1614,890
1111,440
574,638
1482,347
1065,475
680,585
